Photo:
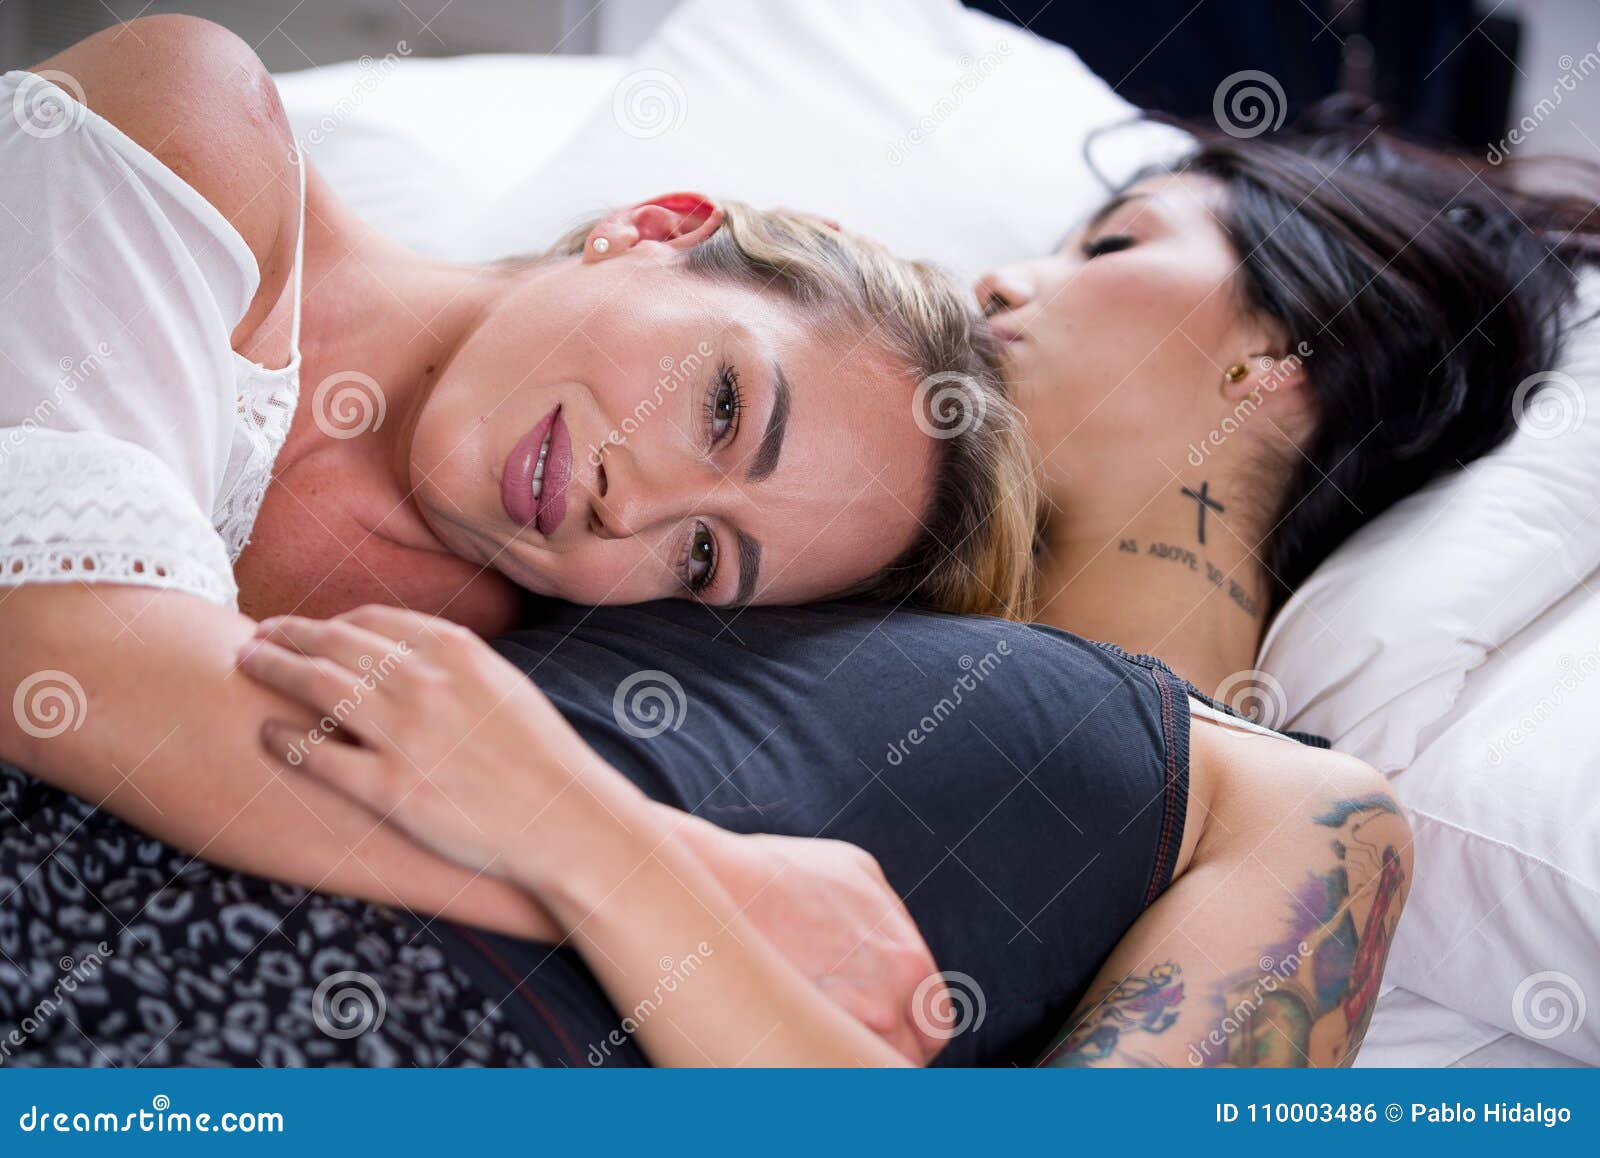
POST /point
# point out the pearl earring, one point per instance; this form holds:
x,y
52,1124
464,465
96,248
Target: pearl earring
x,y
601,245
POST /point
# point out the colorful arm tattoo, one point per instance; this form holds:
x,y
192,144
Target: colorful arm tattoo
x,y
1310,997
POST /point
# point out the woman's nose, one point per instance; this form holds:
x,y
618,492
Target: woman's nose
x,y
630,497
1003,289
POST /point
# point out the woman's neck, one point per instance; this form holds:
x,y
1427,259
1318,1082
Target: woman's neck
x,y
376,309
1180,579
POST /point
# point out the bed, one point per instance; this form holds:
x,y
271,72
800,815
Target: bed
x,y
1452,643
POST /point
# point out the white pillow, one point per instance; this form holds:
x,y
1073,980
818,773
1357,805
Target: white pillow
x,y
1503,922
420,147
1454,643
1374,646
941,132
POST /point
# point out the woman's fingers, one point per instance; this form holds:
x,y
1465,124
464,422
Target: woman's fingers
x,y
331,691
352,647
398,624
354,771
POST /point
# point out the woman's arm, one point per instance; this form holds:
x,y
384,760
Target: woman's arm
x,y
167,739
461,751
1268,951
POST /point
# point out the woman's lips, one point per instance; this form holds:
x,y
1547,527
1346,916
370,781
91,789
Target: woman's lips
x,y
545,510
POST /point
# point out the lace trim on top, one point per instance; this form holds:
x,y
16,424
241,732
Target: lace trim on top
x,y
83,506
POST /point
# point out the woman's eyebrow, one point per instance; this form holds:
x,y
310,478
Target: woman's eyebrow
x,y
749,568
765,459
1104,212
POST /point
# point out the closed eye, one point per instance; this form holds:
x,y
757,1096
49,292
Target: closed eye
x,y
1111,243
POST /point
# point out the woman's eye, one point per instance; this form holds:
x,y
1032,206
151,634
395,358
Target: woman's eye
x,y
1101,246
722,404
700,566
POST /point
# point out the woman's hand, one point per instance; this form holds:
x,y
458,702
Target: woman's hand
x,y
443,738
425,725
825,905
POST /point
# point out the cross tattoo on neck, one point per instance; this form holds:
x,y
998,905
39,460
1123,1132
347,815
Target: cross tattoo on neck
x,y
1202,501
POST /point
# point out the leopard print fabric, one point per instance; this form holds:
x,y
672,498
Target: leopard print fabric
x,y
119,950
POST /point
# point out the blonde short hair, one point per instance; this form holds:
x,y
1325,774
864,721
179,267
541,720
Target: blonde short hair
x,y
973,553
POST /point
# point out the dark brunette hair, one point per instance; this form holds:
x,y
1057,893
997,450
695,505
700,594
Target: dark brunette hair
x,y
1428,287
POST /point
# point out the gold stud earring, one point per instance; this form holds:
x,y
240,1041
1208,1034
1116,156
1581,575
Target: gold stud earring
x,y
1236,372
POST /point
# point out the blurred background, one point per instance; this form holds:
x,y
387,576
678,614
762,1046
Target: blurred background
x,y
1457,72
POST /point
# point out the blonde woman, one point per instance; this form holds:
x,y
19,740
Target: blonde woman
x,y
272,409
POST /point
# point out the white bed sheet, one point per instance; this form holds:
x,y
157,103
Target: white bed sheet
x,y
1410,1031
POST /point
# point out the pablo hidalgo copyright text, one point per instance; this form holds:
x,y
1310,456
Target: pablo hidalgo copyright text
x,y
1418,1113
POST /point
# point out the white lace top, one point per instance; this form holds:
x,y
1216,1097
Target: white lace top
x,y
135,444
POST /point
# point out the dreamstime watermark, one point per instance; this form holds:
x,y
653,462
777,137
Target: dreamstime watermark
x,y
1255,695
946,1005
1273,374
73,974
1574,671
348,1004
1572,73
375,672
1244,1001
160,1118
1548,1004
674,972
38,107
1249,103
974,71
948,404
674,373
73,374
1548,404
649,703
976,671
49,703
649,103
347,404
370,76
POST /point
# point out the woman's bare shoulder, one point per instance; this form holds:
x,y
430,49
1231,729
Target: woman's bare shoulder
x,y
198,98
1261,793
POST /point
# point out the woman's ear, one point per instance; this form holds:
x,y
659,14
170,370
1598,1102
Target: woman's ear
x,y
681,220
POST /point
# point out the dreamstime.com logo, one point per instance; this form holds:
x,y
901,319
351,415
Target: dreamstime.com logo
x,y
375,672
1548,404
1573,72
946,1005
1243,1000
370,76
160,1118
74,373
974,672
1273,373
974,71
649,703
948,404
649,103
1249,103
1547,1005
40,111
674,373
1255,695
674,972
348,1004
74,972
348,404
49,703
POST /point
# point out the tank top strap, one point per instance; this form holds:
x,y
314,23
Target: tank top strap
x,y
297,278
1214,709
